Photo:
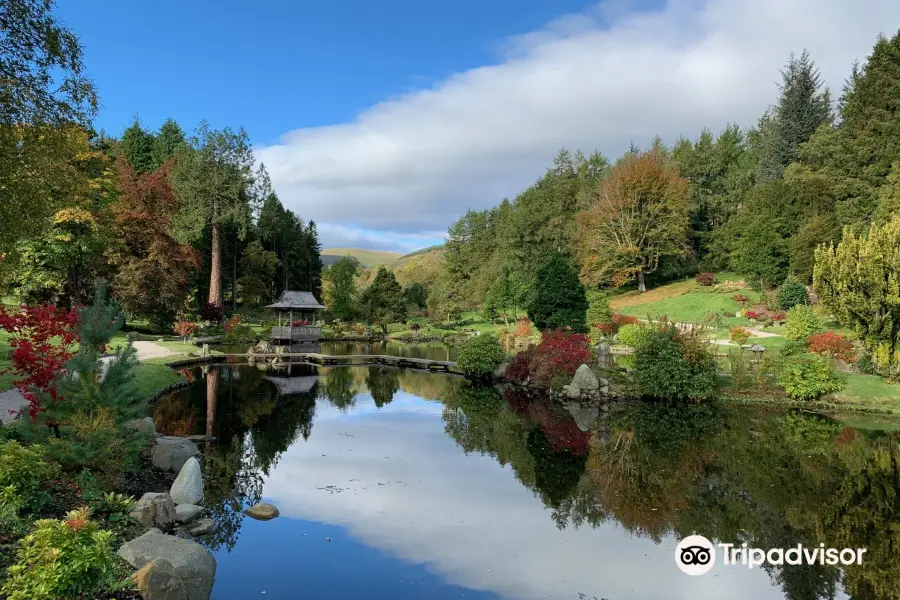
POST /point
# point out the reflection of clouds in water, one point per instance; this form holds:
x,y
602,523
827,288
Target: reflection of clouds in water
x,y
408,490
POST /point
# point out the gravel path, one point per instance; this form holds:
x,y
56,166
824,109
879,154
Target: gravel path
x,y
12,401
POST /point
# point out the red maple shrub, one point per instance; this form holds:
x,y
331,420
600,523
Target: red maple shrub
x,y
831,344
559,353
705,279
299,323
41,340
778,317
753,315
617,322
232,322
185,328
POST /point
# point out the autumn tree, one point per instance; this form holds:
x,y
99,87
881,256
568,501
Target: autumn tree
x,y
154,269
859,281
382,301
640,215
214,179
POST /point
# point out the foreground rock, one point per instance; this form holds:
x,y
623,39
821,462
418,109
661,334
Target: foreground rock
x,y
145,426
202,527
262,512
154,510
188,486
174,566
170,453
187,512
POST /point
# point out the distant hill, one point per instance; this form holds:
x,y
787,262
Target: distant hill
x,y
367,258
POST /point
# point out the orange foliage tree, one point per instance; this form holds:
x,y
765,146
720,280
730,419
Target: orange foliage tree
x,y
155,270
640,216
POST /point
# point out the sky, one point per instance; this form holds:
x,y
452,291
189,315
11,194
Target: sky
x,y
384,122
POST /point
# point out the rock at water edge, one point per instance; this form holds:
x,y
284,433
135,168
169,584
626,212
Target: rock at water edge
x,y
585,380
188,486
158,580
170,453
262,512
154,510
204,526
192,564
187,512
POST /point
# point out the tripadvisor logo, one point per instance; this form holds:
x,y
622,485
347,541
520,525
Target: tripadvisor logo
x,y
696,555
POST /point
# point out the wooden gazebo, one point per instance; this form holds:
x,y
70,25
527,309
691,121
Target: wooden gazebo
x,y
303,307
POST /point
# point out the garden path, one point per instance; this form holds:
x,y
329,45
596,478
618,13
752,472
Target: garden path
x,y
12,401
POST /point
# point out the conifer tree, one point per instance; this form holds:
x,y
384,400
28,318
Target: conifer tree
x,y
558,299
167,142
137,146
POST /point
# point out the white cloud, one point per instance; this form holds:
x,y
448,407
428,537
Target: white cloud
x,y
408,491
597,80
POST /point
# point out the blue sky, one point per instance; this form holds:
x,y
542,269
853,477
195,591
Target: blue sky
x,y
386,121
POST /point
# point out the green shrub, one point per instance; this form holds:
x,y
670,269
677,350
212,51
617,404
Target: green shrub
x,y
791,293
107,450
809,376
68,558
11,524
113,506
480,356
239,334
739,335
28,472
671,364
632,334
599,310
802,322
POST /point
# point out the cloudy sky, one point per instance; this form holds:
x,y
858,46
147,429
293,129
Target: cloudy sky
x,y
401,487
387,125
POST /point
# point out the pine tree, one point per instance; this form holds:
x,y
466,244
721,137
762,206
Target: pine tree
x,y
137,146
314,268
803,106
382,301
167,142
558,299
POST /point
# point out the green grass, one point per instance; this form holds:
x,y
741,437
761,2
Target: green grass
x,y
152,376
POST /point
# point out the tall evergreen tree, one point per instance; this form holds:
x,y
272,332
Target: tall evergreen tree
x,y
314,268
214,179
803,106
558,299
137,146
167,142
382,301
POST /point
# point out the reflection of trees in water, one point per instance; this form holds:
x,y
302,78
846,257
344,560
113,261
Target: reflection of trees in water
x,y
340,386
430,386
734,475
273,434
232,480
383,383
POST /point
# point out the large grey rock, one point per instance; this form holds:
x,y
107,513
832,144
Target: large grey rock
x,y
170,453
188,486
191,563
204,526
500,371
145,426
264,347
584,416
262,512
585,380
187,512
159,580
154,510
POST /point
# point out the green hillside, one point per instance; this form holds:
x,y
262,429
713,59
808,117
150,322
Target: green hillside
x,y
367,258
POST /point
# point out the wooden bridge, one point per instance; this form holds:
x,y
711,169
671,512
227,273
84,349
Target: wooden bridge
x,y
353,360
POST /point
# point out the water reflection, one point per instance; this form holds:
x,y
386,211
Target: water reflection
x,y
515,498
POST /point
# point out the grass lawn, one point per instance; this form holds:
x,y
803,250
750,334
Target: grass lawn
x,y
151,376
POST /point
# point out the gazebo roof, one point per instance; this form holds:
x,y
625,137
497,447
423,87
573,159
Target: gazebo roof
x,y
294,385
289,299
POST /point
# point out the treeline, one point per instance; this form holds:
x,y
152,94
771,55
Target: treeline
x,y
756,201
171,221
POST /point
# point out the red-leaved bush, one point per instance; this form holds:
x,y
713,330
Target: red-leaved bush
x,y
559,353
232,322
752,314
300,323
612,327
705,279
185,328
212,313
831,344
778,317
41,340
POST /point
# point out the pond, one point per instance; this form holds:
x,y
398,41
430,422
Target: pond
x,y
430,350
404,484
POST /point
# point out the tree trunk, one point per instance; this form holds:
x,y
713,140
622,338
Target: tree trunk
x,y
216,295
641,287
234,271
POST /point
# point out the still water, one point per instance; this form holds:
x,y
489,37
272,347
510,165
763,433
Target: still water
x,y
400,484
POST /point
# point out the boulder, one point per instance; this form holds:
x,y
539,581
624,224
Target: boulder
x,y
584,416
158,580
170,453
204,526
145,426
188,486
500,371
264,347
187,512
585,380
154,510
262,512
200,438
572,391
192,564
